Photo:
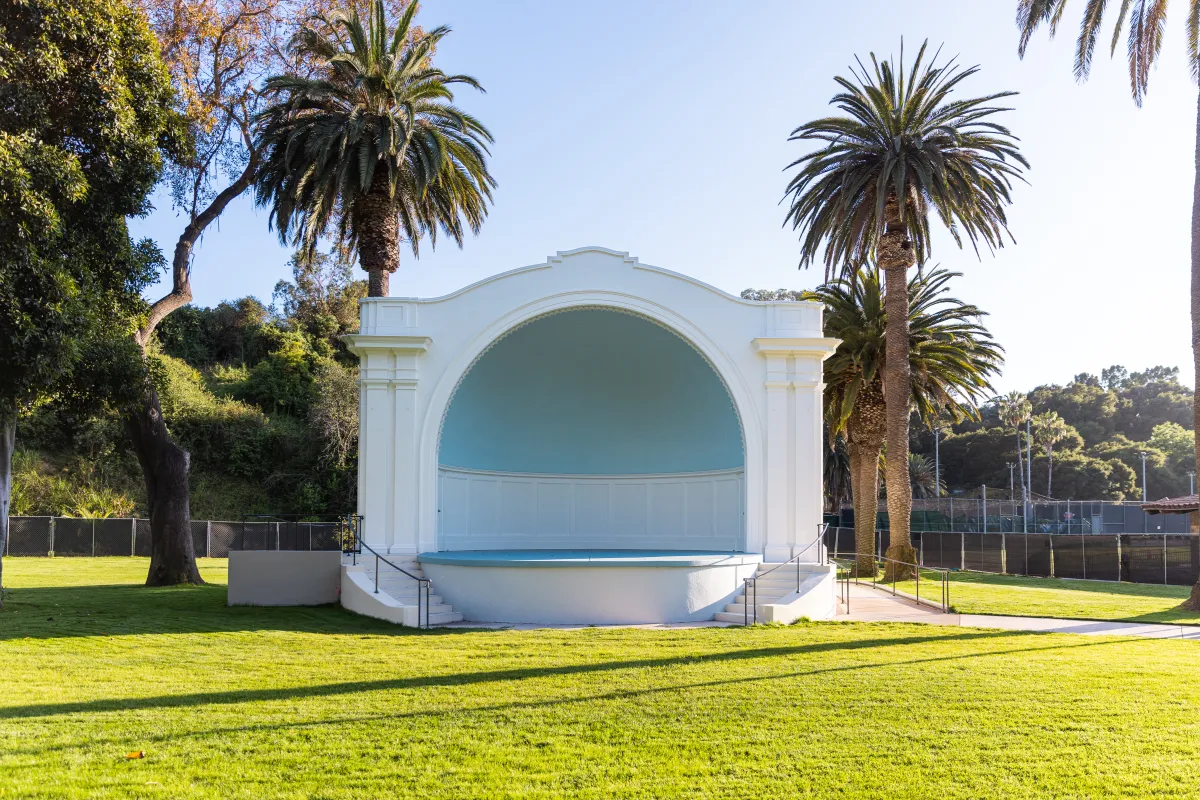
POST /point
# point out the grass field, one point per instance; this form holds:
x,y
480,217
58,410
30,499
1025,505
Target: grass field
x,y
980,593
318,703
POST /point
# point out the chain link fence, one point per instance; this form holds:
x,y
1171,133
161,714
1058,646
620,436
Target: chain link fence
x,y
978,515
71,536
1164,558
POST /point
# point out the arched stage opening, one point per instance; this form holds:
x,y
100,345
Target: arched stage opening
x,y
591,429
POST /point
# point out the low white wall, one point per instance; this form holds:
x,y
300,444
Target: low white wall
x,y
815,599
483,510
283,578
608,595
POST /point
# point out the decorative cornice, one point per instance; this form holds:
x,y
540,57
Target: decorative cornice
x,y
359,342
789,346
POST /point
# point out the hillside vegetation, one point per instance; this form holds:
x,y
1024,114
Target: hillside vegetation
x,y
264,398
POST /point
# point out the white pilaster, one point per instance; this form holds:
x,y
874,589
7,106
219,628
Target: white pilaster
x,y
794,448
388,455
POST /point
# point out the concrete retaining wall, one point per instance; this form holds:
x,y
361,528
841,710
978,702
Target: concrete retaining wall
x,y
283,578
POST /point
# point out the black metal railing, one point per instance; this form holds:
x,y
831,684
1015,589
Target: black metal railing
x,y
847,564
750,585
423,584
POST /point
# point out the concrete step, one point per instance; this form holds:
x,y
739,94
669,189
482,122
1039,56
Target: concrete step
x,y
411,599
443,618
728,616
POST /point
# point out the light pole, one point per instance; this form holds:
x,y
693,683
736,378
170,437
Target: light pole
x,y
937,461
1012,491
1192,482
1143,455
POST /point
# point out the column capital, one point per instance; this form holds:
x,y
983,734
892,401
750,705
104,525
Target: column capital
x,y
799,347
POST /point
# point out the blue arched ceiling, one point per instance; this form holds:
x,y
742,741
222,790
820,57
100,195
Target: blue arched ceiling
x,y
591,391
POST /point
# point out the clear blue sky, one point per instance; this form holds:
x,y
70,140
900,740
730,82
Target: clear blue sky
x,y
661,128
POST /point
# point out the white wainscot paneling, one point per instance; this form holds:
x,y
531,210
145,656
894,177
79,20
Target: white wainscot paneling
x,y
481,510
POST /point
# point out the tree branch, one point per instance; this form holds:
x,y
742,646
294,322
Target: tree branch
x,y
181,289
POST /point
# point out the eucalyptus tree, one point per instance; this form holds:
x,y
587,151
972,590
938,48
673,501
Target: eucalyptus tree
x,y
951,360
905,146
1144,24
1048,430
371,149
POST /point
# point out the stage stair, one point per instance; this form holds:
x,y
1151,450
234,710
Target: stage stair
x,y
397,599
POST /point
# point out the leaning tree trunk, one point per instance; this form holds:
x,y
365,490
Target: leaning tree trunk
x,y
1193,602
896,255
164,463
865,432
8,440
379,236
165,467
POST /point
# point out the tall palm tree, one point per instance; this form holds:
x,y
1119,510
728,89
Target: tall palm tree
x,y
1048,430
1014,409
1144,22
952,358
372,146
904,146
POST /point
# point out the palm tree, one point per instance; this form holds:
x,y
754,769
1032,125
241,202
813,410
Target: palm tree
x,y
1014,409
951,360
904,147
925,482
1143,41
1048,430
373,146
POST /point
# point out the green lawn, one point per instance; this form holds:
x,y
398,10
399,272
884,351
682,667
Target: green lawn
x,y
980,593
317,703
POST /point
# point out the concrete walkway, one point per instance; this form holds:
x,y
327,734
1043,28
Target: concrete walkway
x,y
877,605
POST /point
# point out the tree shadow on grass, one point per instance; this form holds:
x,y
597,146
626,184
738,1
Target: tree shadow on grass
x,y
125,609
1155,590
240,696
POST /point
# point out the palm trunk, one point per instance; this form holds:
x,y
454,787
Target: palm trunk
x,y
864,467
896,255
865,432
165,467
8,440
1193,602
379,236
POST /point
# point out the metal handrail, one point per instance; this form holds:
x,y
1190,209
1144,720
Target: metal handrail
x,y
421,582
842,559
750,585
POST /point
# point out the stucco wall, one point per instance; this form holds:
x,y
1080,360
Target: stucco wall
x,y
283,578
414,352
592,391
588,595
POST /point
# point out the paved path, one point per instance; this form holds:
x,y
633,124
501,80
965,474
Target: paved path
x,y
877,605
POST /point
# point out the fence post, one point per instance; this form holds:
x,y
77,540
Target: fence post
x,y
1051,538
1164,554
51,536
93,538
1003,554
277,536
962,538
1118,558
133,536
1083,558
208,538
